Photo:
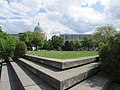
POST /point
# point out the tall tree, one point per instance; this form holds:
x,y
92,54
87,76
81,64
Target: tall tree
x,y
37,40
69,45
57,42
33,39
1,29
27,37
46,45
103,33
87,42
77,45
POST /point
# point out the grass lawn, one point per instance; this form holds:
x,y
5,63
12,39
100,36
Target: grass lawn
x,y
63,54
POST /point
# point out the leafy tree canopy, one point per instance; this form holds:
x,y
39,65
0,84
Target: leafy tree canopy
x,y
103,33
57,42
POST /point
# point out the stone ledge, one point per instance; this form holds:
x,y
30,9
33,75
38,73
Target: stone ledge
x,y
61,79
24,79
62,64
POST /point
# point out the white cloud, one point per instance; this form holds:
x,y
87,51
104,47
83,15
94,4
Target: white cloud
x,y
61,16
87,14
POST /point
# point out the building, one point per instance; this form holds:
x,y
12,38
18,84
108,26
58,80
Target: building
x,y
73,37
39,29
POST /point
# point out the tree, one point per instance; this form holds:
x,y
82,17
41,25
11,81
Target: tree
x,y
7,46
57,42
1,29
69,45
77,45
32,39
20,49
103,33
46,45
27,37
3,34
37,40
110,57
87,42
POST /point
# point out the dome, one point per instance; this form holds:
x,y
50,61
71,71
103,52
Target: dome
x,y
38,28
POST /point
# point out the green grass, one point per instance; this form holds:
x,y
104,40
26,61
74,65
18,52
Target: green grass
x,y
63,54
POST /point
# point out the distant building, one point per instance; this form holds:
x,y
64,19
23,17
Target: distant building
x,y
39,29
73,37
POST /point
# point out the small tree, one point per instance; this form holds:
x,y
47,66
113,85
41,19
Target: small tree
x,y
20,50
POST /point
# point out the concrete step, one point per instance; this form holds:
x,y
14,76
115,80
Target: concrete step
x,y
61,79
62,64
96,82
28,80
8,81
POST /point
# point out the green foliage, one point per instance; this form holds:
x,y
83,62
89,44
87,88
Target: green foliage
x,y
47,45
110,57
27,38
104,33
20,50
77,45
32,39
1,30
57,42
7,46
3,35
69,45
38,39
87,42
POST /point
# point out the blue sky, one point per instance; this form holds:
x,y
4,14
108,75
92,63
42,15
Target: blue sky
x,y
58,16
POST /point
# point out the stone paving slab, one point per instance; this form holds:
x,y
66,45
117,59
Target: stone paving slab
x,y
29,80
61,79
62,64
5,82
96,82
8,81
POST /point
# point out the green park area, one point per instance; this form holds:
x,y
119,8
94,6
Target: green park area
x,y
63,54
105,42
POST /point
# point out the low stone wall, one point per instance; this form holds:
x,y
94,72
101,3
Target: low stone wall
x,y
62,64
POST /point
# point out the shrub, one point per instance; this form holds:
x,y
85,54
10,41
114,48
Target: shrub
x,y
20,50
110,58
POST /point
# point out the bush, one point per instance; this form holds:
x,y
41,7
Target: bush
x,y
110,58
20,50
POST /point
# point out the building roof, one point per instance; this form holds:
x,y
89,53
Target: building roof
x,y
38,28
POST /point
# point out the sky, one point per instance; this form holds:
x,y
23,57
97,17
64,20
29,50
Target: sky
x,y
58,16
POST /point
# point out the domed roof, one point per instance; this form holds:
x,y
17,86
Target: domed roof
x,y
38,28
